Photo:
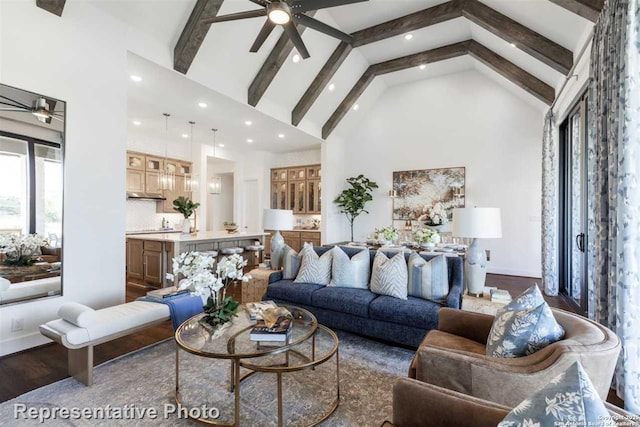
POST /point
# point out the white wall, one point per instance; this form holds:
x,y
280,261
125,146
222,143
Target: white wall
x,y
81,59
462,119
220,207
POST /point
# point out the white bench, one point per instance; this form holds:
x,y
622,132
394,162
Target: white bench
x,y
81,328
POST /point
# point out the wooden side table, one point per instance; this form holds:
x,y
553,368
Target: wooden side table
x,y
481,305
254,288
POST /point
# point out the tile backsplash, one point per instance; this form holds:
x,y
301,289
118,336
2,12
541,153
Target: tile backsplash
x,y
141,215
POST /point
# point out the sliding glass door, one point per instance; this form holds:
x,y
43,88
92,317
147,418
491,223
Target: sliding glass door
x,y
573,191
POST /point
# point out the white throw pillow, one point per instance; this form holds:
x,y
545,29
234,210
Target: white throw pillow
x,y
78,314
313,268
290,263
349,273
4,284
389,276
428,279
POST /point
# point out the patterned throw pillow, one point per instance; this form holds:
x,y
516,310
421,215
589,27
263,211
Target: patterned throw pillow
x,y
290,263
313,268
570,399
389,276
428,279
516,333
531,298
349,273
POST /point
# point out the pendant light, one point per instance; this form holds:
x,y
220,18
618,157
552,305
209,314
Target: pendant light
x,y
166,177
191,180
215,183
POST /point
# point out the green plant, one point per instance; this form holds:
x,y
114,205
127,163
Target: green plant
x,y
352,200
387,233
185,206
229,224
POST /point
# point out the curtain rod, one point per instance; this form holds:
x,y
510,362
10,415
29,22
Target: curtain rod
x,y
575,64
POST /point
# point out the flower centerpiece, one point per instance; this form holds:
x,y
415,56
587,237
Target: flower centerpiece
x,y
436,215
386,234
21,250
427,236
195,271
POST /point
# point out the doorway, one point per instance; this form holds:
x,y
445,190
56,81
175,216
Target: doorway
x,y
251,204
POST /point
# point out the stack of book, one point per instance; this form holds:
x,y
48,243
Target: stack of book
x,y
500,295
165,294
255,308
280,332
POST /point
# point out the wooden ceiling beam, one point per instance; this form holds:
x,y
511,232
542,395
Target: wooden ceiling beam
x,y
588,9
536,45
193,34
515,74
272,65
54,6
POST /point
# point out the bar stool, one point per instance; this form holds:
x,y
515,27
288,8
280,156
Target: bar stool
x,y
231,251
256,253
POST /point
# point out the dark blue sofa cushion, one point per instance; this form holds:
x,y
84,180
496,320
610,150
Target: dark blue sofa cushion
x,y
293,292
415,312
344,300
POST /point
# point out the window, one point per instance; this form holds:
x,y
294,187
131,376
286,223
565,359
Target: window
x,y
14,200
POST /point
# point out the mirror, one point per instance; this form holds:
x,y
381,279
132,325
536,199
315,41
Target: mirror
x,y
31,157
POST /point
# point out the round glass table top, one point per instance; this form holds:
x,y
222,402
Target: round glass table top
x,y
234,341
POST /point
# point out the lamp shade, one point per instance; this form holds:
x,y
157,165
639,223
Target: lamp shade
x,y
277,219
479,223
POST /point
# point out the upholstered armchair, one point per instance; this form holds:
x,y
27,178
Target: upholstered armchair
x,y
453,357
420,404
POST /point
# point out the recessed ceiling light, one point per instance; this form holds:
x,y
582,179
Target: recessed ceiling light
x,y
136,79
332,87
281,135
422,67
248,122
512,44
250,141
137,122
408,36
202,104
221,145
356,107
296,58
185,135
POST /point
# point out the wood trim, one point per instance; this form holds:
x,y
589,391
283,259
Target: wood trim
x,y
193,34
588,9
530,42
54,6
272,65
517,75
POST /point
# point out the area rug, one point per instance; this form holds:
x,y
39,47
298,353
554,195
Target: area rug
x,y
138,390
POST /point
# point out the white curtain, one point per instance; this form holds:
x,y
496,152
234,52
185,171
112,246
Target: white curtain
x,y
550,206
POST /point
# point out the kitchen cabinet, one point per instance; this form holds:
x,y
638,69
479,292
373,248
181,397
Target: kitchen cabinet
x,y
153,163
297,189
135,161
310,237
135,180
294,239
151,182
135,261
152,261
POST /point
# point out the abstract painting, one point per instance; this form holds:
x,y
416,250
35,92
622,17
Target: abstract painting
x,y
428,195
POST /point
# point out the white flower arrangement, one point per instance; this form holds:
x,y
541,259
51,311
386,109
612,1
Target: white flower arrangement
x,y
21,249
387,233
426,235
437,215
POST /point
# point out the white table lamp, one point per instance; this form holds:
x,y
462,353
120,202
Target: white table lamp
x,y
277,220
476,223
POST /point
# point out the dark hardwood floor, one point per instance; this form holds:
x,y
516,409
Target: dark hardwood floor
x,y
37,367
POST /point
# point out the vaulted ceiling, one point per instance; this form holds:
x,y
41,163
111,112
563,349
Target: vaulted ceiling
x,y
528,46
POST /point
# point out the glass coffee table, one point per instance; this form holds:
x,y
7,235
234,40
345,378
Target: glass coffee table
x,y
234,344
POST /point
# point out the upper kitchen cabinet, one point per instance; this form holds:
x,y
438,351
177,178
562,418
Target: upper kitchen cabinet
x,y
278,175
135,161
296,188
153,163
313,172
135,180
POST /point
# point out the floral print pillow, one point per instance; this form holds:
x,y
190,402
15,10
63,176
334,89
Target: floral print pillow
x,y
569,399
523,332
531,298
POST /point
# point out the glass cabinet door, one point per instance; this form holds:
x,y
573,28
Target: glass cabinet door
x,y
313,196
300,196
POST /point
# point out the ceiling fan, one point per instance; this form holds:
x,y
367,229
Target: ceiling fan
x,y
42,108
288,13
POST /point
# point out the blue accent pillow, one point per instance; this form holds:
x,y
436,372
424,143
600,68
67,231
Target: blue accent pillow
x,y
290,263
516,333
570,399
428,279
350,272
531,298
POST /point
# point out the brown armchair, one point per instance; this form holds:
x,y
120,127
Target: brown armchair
x,y
453,357
420,404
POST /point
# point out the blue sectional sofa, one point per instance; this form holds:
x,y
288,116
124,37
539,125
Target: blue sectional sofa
x,y
361,311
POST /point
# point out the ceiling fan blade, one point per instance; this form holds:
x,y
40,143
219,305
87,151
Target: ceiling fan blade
x,y
14,103
55,118
235,16
299,6
314,24
262,3
294,36
18,109
267,28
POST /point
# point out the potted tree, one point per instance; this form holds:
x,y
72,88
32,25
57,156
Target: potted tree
x,y
186,207
352,200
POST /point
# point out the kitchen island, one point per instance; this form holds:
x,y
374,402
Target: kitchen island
x,y
149,256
